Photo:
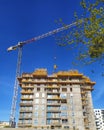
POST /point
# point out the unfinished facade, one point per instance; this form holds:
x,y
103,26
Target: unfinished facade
x,y
99,118
61,100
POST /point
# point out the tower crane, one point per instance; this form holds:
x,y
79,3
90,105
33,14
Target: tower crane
x,y
19,46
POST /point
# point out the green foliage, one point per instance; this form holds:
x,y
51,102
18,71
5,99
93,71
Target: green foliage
x,y
92,30
89,34
7,126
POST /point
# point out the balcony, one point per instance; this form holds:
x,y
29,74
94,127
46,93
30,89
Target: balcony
x,y
55,124
53,98
55,110
63,101
26,98
26,104
28,81
27,86
26,75
27,92
25,80
54,118
67,81
53,86
25,117
53,104
88,88
26,111
53,92
39,80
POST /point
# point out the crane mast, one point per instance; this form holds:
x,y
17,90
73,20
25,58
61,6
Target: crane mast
x,y
19,47
15,93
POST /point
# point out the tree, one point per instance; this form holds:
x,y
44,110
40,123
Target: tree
x,y
88,36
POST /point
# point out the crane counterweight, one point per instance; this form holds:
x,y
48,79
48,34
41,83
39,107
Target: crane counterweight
x,y
20,44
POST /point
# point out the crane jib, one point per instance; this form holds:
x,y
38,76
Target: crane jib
x,y
44,35
51,33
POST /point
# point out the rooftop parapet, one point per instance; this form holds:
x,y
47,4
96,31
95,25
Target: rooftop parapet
x,y
69,73
40,72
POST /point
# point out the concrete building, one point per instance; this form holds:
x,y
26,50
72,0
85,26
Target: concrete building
x,y
58,101
99,118
4,124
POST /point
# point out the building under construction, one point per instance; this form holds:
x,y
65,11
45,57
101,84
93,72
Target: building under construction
x,y
58,101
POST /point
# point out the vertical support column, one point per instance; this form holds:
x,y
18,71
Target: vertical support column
x,y
92,125
77,105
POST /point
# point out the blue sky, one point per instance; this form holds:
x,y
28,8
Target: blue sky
x,y
23,19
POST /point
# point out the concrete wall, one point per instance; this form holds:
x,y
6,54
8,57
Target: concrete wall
x,y
91,115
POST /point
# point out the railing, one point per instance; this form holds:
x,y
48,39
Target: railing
x,y
26,104
53,86
26,75
21,110
88,88
27,86
54,98
54,109
54,103
27,92
49,91
25,117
